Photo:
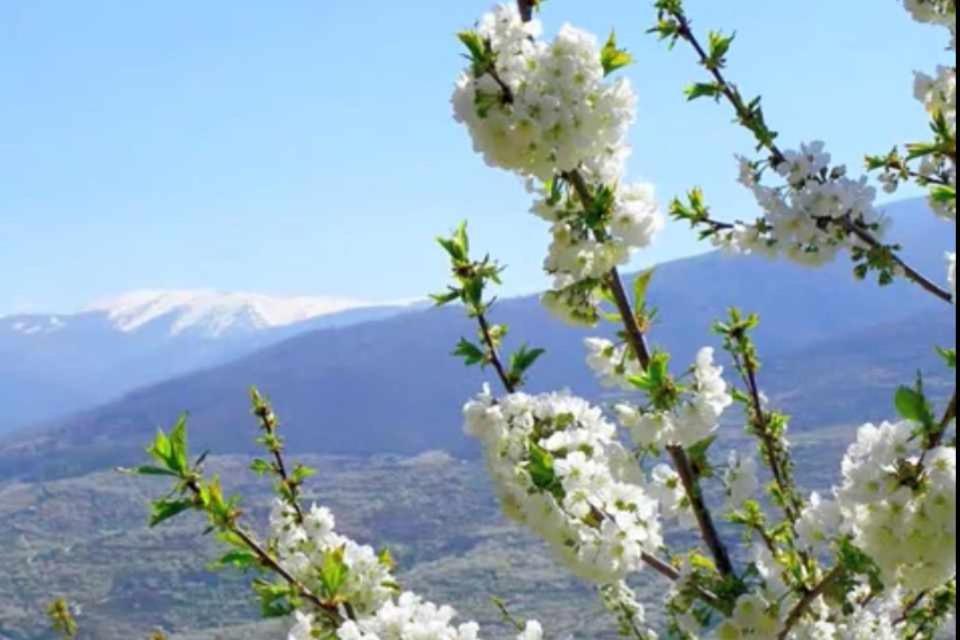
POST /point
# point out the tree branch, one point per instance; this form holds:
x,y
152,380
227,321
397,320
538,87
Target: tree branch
x,y
796,615
508,383
526,9
749,119
638,343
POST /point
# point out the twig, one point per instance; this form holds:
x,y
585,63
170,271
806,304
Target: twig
x,y
508,383
268,422
526,9
638,343
808,599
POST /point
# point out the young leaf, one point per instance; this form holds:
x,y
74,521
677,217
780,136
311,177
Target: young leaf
x,y
612,57
471,353
703,90
641,287
522,360
949,357
163,510
541,468
912,405
333,572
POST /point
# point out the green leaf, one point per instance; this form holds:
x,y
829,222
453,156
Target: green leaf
x,y
334,572
178,446
641,287
541,469
150,471
301,473
612,57
471,353
162,510
703,90
275,599
160,449
443,299
522,360
949,357
261,467
237,559
912,405
719,47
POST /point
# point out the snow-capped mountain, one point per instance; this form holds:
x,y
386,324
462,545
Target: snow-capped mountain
x,y
209,314
51,364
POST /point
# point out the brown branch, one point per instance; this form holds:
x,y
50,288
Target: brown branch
x,y
910,272
704,520
526,9
508,383
796,615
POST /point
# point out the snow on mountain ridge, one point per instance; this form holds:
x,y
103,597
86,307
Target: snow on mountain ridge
x,y
216,314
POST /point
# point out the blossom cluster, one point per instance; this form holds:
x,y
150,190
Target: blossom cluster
x,y
807,218
694,418
936,12
559,469
545,110
613,365
364,583
938,94
897,502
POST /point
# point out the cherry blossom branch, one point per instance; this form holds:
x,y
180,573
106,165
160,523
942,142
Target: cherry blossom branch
x,y
329,611
638,343
800,610
753,120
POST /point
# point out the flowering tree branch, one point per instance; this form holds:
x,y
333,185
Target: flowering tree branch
x,y
675,24
802,607
637,340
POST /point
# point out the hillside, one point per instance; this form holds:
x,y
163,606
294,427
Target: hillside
x,y
55,364
391,386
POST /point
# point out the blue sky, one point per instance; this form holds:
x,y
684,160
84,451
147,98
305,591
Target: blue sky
x,y
306,146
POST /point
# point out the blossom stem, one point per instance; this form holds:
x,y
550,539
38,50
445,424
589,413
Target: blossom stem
x,y
796,615
508,383
269,425
755,123
769,443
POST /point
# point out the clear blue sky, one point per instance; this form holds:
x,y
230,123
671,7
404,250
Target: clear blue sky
x,y
306,146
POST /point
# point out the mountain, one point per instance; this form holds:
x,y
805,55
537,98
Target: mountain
x,y
55,364
835,350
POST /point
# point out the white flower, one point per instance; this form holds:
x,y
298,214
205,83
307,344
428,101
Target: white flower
x,y
559,469
741,480
819,523
694,420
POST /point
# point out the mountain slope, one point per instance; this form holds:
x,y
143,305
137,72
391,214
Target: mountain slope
x,y
51,365
391,386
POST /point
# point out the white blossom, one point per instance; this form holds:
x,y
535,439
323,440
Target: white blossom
x,y
559,469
